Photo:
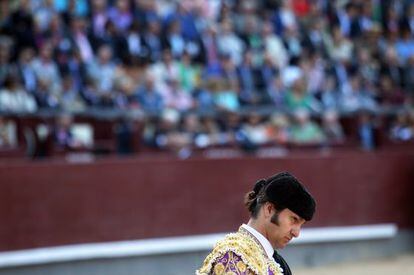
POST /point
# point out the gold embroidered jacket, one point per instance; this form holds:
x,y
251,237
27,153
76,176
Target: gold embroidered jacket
x,y
239,253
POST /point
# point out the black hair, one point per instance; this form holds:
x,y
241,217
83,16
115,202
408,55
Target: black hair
x,y
283,190
255,199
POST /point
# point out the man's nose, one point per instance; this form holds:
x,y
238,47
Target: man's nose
x,y
296,232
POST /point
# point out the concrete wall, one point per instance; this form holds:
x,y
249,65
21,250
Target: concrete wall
x,y
299,255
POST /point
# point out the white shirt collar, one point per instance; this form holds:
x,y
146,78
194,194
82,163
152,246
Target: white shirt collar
x,y
262,240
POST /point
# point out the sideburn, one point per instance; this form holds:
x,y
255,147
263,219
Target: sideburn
x,y
275,218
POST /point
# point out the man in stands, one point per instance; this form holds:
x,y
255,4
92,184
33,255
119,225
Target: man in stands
x,y
278,207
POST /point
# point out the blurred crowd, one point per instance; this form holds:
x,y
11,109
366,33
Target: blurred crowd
x,y
177,60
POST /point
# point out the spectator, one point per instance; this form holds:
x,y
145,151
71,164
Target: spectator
x,y
174,40
121,15
274,48
330,95
13,98
46,69
99,17
81,40
187,21
304,131
62,132
188,73
401,129
209,46
225,98
339,47
45,97
404,46
408,73
389,94
332,128
278,129
357,97
247,78
5,58
229,43
152,41
298,97
7,133
149,98
366,128
26,70
103,70
164,69
176,98
70,99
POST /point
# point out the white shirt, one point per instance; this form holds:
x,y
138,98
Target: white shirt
x,y
262,240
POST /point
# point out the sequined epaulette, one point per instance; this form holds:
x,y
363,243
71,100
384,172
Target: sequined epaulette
x,y
245,246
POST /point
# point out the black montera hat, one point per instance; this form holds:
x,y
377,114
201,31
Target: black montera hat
x,y
285,191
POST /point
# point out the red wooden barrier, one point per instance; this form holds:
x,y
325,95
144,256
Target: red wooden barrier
x,y
49,203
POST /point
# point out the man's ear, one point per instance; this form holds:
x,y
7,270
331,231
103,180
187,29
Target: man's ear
x,y
268,209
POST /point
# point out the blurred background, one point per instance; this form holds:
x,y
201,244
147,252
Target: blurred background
x,y
130,130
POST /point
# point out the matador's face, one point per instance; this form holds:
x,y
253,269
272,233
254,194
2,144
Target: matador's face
x,y
282,227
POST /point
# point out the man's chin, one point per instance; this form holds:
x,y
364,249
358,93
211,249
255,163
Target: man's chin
x,y
280,245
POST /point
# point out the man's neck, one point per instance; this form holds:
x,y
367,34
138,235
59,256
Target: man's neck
x,y
258,227
267,246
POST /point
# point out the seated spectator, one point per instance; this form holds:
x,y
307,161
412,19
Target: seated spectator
x,y
203,95
62,133
255,129
357,97
136,49
366,127
298,97
266,75
209,133
224,97
405,46
148,98
339,47
277,93
176,98
389,94
188,73
46,69
80,38
330,95
332,128
278,129
70,99
13,98
274,48
45,97
152,40
191,133
7,133
408,73
229,43
304,131
121,15
230,129
102,70
164,69
167,135
401,128
247,78
26,70
174,40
